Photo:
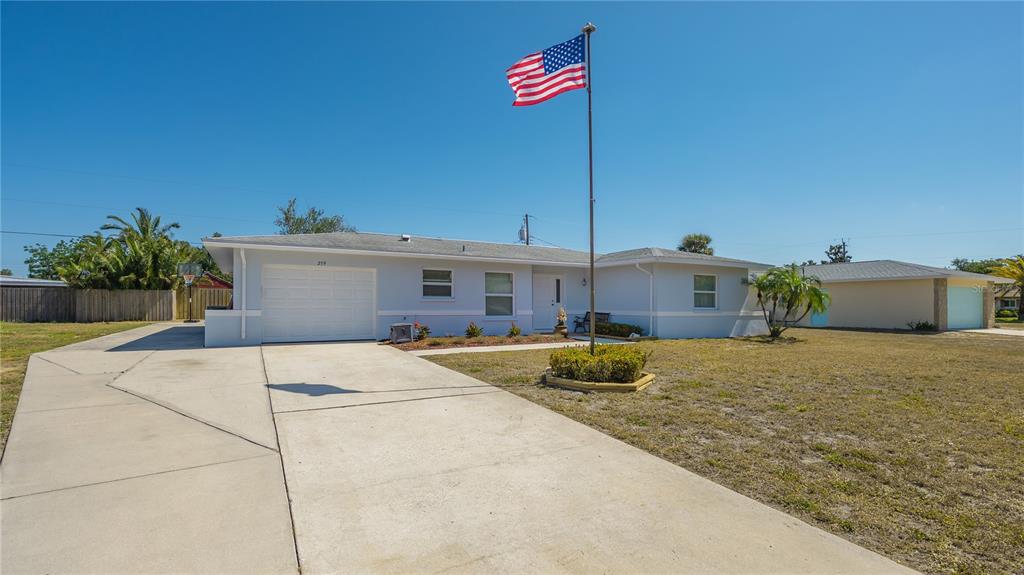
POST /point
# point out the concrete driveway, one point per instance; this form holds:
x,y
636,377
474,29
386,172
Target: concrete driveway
x,y
142,452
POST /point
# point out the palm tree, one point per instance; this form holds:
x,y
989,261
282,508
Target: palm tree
x,y
798,294
1013,268
145,251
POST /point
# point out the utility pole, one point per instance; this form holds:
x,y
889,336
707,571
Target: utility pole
x,y
526,222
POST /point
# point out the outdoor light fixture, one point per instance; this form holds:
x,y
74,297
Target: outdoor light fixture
x,y
583,282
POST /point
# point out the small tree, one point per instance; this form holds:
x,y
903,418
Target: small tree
x,y
837,253
786,296
290,221
6,272
696,244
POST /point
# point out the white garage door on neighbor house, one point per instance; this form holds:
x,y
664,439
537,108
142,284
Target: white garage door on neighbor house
x,y
965,308
302,303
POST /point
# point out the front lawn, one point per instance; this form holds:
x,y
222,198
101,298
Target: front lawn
x,y
20,340
449,342
910,445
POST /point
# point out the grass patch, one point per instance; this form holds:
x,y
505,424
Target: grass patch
x,y
907,445
20,340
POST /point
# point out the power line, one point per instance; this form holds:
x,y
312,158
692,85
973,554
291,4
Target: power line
x,y
197,244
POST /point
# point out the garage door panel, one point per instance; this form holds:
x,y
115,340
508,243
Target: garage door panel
x,y
965,308
300,304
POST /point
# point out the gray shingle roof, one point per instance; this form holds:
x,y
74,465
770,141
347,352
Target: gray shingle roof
x,y
666,255
419,245
887,270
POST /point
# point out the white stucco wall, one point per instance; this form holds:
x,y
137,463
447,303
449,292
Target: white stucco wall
x,y
736,314
399,289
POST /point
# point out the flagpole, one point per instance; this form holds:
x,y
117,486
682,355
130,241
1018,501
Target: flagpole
x,y
588,29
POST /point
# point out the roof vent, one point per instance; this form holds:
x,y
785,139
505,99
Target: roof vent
x,y
406,238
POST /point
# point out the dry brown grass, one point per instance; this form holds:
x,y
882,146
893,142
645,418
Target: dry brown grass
x,y
20,340
910,445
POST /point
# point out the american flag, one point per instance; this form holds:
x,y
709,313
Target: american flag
x,y
544,75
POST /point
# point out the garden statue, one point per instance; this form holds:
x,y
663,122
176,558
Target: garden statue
x,y
560,327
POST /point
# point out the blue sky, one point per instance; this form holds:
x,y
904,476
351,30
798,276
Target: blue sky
x,y
776,128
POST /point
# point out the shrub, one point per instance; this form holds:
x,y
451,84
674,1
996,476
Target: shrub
x,y
514,331
1008,313
617,329
610,363
422,331
473,330
921,325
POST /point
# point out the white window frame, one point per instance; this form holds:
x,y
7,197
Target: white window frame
x,y
697,291
424,282
488,294
1008,303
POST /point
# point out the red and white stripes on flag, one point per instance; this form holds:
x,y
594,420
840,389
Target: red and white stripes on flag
x,y
546,74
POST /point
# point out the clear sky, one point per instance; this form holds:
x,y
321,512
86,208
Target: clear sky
x,y
776,128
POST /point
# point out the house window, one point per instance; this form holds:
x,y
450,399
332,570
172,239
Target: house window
x,y
437,283
498,293
1008,303
704,288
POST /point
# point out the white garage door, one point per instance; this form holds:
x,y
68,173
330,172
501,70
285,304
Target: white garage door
x,y
317,303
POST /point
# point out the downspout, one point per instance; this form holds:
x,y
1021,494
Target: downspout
x,y
241,253
650,306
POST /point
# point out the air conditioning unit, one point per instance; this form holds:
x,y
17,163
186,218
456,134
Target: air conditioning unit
x,y
401,332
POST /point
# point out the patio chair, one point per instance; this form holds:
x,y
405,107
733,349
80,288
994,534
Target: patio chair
x,y
583,323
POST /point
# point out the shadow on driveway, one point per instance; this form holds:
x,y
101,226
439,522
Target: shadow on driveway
x,y
311,389
178,337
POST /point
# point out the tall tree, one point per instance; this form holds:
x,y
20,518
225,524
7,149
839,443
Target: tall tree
x,y
796,293
43,262
837,253
6,272
696,244
290,221
976,266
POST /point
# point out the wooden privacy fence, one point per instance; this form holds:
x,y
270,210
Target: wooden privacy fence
x,y
83,306
201,298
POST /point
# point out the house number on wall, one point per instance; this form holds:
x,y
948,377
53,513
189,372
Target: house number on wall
x,y
321,263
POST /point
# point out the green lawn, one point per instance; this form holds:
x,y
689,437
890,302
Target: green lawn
x,y
910,445
20,340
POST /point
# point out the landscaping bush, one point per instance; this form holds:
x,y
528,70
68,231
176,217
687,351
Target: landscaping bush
x,y
921,325
610,363
514,331
617,329
473,330
1007,313
422,331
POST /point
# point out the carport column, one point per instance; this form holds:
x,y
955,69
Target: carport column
x,y
940,297
989,306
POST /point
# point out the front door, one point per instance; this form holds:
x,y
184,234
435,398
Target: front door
x,y
547,298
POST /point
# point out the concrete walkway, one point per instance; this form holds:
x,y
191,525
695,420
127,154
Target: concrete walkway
x,y
142,452
998,331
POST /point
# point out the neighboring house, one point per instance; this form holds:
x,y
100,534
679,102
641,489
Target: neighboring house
x,y
210,281
10,281
348,285
887,294
1007,297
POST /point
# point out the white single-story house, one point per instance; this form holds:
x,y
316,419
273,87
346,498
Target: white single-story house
x,y
887,294
353,285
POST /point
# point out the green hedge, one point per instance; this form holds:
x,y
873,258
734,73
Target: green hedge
x,y
617,329
610,363
1006,313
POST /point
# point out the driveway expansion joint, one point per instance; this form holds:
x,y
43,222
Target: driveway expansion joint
x,y
387,402
130,477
